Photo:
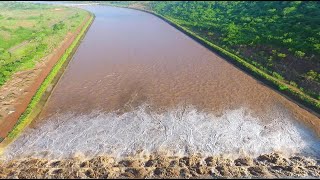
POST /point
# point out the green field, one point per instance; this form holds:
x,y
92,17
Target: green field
x,y
29,32
35,105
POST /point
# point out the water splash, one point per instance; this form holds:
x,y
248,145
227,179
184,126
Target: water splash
x,y
180,131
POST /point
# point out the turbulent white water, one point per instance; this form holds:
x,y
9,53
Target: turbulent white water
x,y
176,132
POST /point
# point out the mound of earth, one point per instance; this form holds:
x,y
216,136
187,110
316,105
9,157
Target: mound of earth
x,y
159,166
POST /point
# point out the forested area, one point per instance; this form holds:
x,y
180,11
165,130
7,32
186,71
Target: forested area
x,y
282,38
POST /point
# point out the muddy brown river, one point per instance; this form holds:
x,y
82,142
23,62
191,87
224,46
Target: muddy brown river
x,y
137,84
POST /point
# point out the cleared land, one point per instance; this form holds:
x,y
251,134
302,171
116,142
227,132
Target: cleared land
x,y
28,32
32,39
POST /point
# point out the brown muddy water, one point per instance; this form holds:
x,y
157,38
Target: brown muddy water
x,y
138,85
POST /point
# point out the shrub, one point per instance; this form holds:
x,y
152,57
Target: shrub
x,y
276,75
313,75
299,54
283,87
293,84
281,55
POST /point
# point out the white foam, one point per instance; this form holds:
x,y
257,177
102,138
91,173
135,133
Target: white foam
x,y
178,132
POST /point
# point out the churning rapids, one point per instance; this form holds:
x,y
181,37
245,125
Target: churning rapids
x,y
182,131
138,85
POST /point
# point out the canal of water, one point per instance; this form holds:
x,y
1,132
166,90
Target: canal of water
x,y
137,84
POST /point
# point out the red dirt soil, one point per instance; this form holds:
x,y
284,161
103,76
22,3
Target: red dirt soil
x,y
21,103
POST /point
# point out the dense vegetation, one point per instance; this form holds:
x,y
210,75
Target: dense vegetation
x,y
280,38
29,32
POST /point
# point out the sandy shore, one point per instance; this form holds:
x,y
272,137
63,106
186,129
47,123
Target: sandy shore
x,y
271,165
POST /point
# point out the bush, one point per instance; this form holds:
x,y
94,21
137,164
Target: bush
x,y
276,75
293,84
58,26
281,55
299,54
313,75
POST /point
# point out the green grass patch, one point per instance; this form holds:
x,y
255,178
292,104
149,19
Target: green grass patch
x,y
31,110
29,32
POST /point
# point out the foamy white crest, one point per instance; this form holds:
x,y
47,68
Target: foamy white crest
x,y
178,132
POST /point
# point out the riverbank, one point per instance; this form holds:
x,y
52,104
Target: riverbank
x,y
290,92
159,166
40,90
122,64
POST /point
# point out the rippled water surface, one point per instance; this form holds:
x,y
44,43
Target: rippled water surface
x,y
136,83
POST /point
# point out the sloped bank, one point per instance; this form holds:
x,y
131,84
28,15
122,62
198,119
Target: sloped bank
x,y
50,79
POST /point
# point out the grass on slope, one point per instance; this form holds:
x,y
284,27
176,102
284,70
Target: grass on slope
x,y
31,110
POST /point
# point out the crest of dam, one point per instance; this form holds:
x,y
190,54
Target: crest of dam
x,y
179,131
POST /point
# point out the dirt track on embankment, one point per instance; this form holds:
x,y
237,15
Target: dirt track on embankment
x,y
17,93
